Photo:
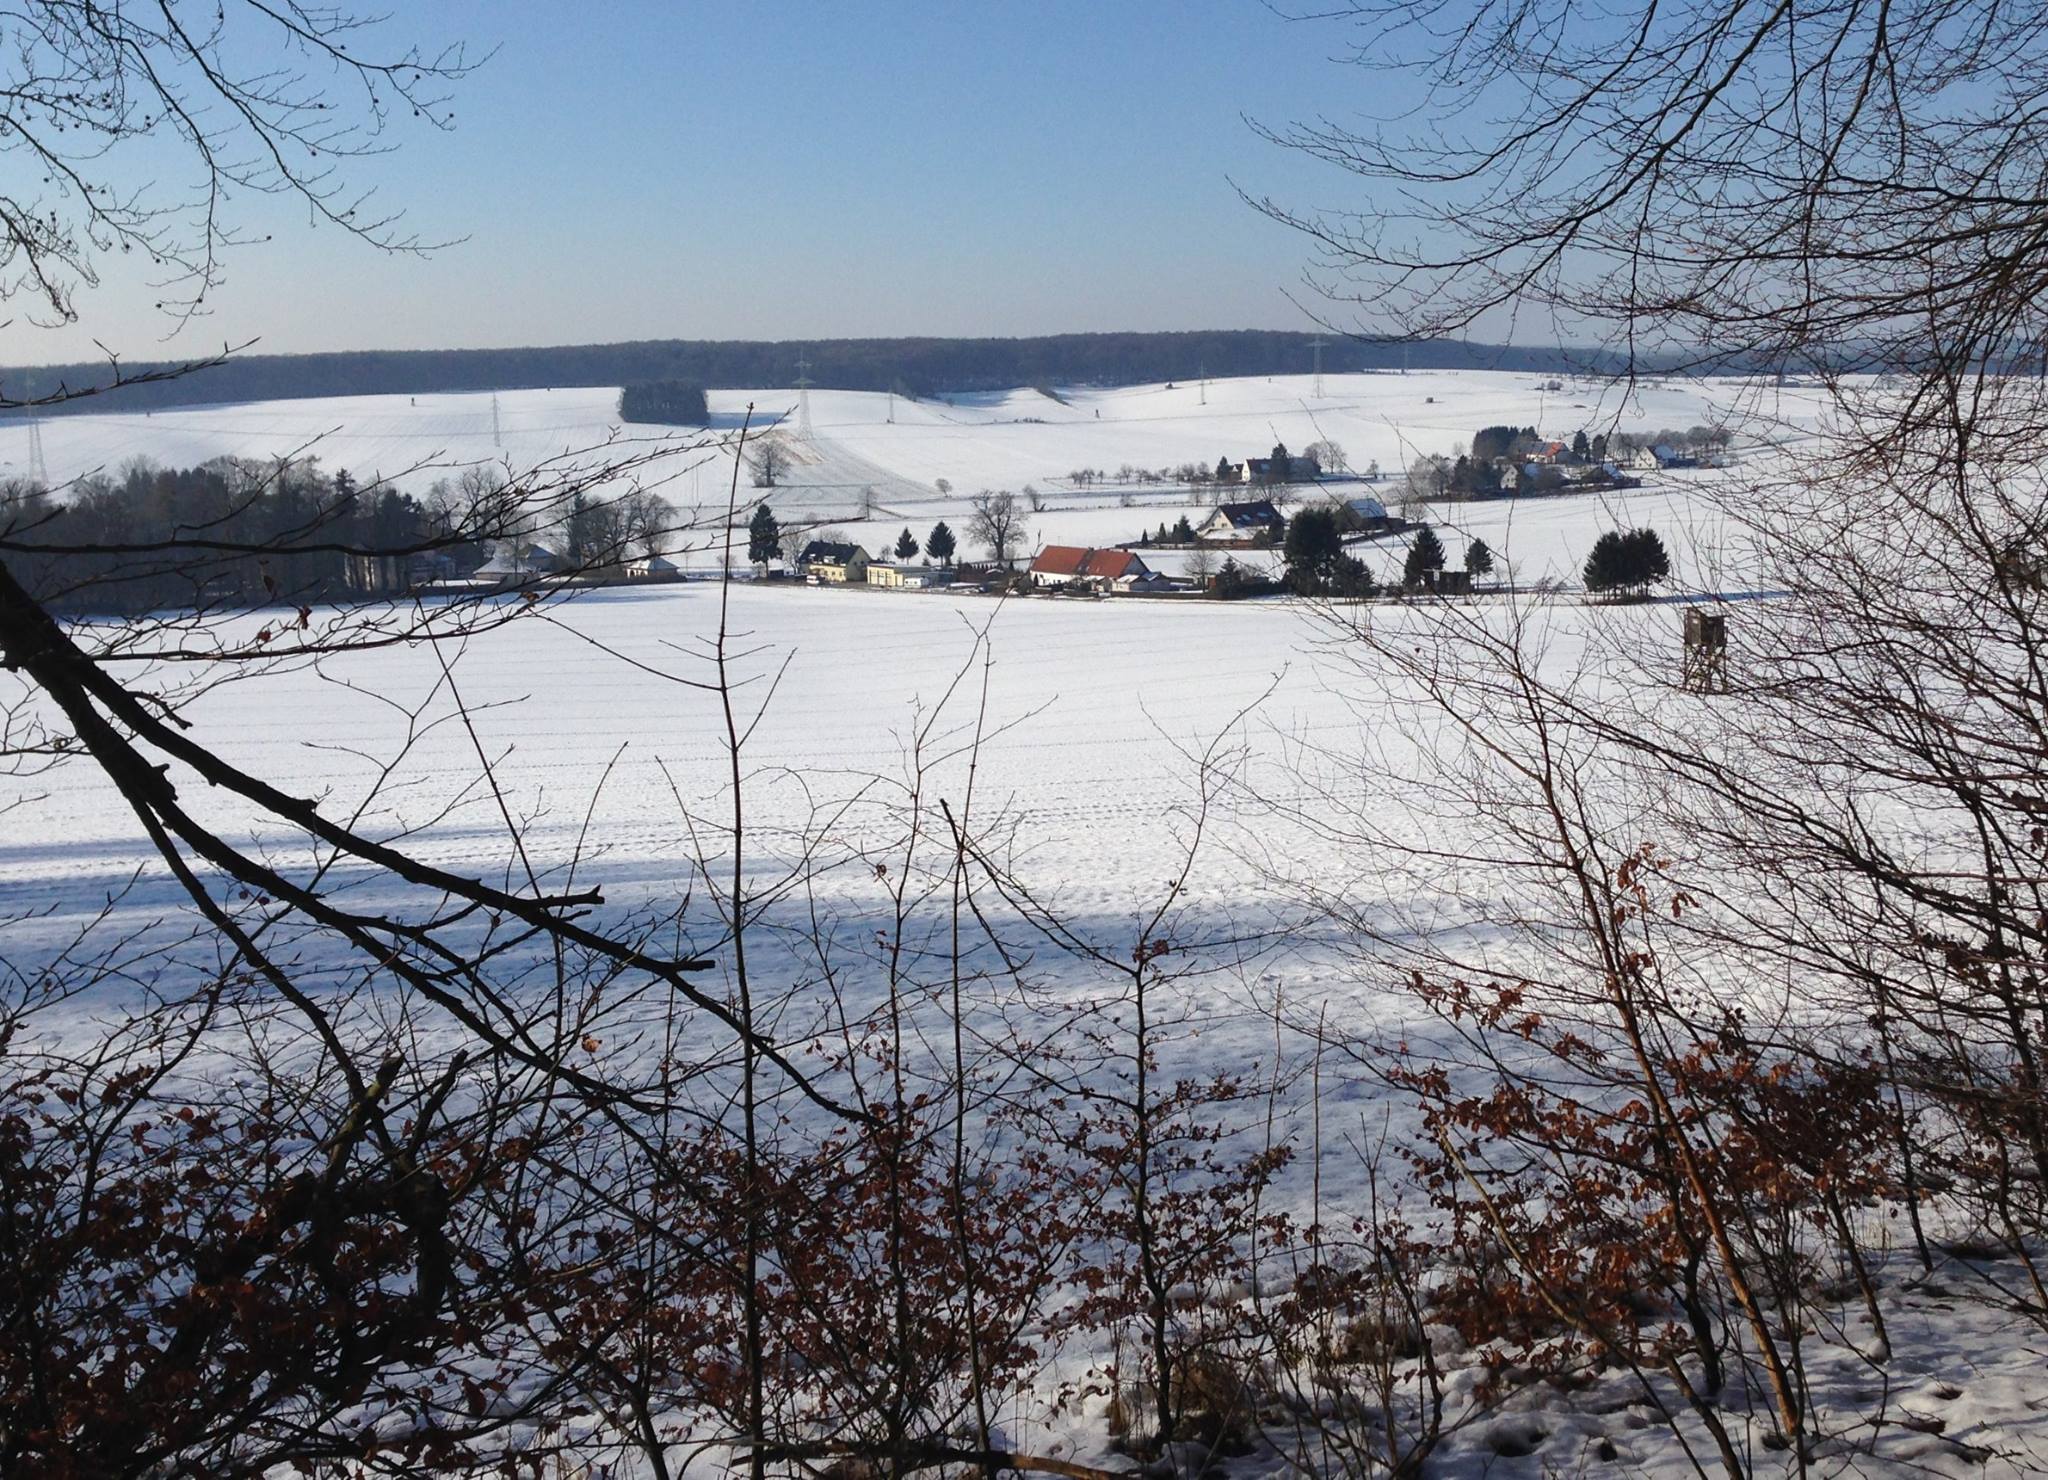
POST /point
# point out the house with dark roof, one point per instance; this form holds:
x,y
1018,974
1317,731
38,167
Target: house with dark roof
x,y
833,563
1241,524
517,560
1302,469
1071,565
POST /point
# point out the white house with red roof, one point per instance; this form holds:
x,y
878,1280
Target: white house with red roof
x,y
1066,565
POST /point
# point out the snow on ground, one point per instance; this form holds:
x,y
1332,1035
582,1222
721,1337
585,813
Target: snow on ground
x,y
856,452
1097,711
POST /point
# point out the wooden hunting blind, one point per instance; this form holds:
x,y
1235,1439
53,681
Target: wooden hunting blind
x,y
1706,650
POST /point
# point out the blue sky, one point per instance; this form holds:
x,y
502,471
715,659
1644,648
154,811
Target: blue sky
x,y
796,169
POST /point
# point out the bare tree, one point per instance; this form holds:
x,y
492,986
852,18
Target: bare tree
x,y
247,91
998,524
770,460
1330,457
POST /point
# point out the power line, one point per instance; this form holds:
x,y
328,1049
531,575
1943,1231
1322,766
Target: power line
x,y
803,396
38,469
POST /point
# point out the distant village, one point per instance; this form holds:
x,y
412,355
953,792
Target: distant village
x,y
1311,507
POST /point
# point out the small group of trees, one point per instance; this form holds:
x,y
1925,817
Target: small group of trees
x,y
665,403
1630,562
1316,562
1234,582
1693,440
1180,532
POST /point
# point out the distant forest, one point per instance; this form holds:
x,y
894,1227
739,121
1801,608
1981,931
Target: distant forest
x,y
913,367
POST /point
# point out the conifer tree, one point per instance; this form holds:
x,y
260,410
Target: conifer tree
x,y
906,545
1426,554
1479,558
764,536
1607,567
939,543
1647,561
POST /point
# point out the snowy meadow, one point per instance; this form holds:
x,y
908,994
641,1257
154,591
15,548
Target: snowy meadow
x,y
1127,975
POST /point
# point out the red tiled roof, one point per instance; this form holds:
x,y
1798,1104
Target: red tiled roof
x,y
1101,565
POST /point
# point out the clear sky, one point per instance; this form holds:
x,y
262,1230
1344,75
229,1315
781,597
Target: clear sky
x,y
798,169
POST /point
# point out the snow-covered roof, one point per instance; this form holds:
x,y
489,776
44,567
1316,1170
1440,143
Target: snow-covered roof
x,y
1258,514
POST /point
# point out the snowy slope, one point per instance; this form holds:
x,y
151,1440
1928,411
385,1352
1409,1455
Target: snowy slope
x,y
855,451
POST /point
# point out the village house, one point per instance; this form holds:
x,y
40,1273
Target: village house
x,y
1367,512
652,568
1241,524
833,563
1282,470
518,560
901,577
1105,570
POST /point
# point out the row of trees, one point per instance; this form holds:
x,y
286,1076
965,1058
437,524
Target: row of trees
x,y
239,532
282,532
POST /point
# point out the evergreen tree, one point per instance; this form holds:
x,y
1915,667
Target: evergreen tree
x,y
1183,532
1607,567
939,543
1580,446
1647,561
1478,558
764,536
1351,580
1426,554
1313,548
906,545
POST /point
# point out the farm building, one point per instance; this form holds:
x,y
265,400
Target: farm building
x,y
830,562
907,577
1241,524
652,568
1282,469
1108,570
517,560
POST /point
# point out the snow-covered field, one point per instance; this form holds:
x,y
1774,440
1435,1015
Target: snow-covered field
x,y
856,451
1097,713
1098,706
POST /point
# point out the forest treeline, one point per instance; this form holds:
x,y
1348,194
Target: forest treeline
x,y
907,366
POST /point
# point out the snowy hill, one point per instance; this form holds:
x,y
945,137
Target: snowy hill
x,y
852,454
